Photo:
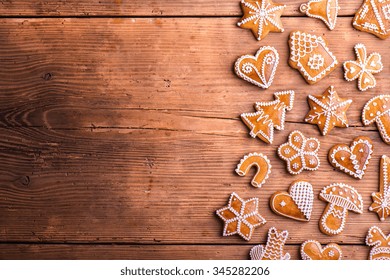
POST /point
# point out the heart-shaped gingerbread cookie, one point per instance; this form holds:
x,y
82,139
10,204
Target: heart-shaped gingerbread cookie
x,y
312,250
353,159
259,69
297,204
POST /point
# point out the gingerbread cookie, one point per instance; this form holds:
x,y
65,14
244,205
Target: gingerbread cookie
x,y
297,204
363,68
325,10
381,199
377,110
259,69
374,17
274,249
310,55
269,115
341,198
262,164
353,159
262,17
381,250
312,250
241,216
300,153
328,110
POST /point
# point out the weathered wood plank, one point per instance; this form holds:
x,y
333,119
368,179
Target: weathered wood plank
x,y
151,252
87,73
144,8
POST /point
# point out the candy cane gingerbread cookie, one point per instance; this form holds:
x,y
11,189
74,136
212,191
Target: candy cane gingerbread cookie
x,y
310,55
325,10
274,249
262,17
269,115
381,199
353,159
258,160
341,198
380,242
241,216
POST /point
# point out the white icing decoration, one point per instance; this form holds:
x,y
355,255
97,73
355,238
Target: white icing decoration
x,y
316,61
274,249
380,242
380,113
328,20
260,177
320,248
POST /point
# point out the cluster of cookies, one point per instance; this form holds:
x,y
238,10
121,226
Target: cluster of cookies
x,y
311,56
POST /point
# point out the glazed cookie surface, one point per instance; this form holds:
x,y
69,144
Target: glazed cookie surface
x,y
274,249
377,111
381,199
262,164
325,10
312,250
380,242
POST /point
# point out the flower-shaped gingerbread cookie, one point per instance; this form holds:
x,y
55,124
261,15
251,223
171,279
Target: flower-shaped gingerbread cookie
x,y
374,17
381,199
381,250
328,110
363,68
241,216
300,153
262,17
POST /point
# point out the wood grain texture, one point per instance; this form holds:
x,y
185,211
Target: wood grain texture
x,y
150,252
145,8
116,131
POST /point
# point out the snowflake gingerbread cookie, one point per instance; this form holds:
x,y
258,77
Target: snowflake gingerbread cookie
x,y
262,17
274,249
310,55
312,250
353,159
269,115
374,17
381,199
328,110
325,10
363,68
377,110
258,160
259,69
296,204
381,242
341,198
300,153
241,216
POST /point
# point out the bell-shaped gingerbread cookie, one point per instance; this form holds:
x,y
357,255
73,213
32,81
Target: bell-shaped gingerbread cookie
x,y
325,10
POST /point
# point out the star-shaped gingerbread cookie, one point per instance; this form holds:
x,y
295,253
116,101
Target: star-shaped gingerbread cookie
x,y
241,216
262,17
328,110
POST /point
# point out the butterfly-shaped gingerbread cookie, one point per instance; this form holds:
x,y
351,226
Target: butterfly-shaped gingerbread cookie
x,y
296,204
274,249
269,115
380,242
310,55
300,153
325,10
374,17
241,216
381,199
262,17
312,250
363,68
353,159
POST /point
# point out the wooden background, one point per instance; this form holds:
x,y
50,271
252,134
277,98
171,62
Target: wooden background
x,y
120,129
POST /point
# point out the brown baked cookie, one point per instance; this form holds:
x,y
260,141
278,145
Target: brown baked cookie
x,y
377,110
274,249
312,250
296,204
310,55
328,110
262,17
381,242
381,199
241,216
269,115
374,17
259,69
353,159
342,198
262,164
325,10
